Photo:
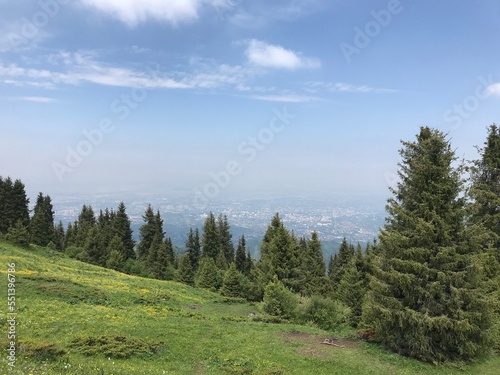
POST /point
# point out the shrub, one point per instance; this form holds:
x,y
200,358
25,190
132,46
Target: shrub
x,y
327,314
280,301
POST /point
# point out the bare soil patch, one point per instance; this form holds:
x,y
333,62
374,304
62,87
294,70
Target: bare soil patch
x,y
316,345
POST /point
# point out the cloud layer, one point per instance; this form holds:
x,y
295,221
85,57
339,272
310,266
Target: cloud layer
x,y
273,56
133,12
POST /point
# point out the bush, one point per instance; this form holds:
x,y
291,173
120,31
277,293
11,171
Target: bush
x,y
327,314
280,301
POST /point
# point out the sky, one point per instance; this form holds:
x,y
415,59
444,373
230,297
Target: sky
x,y
213,98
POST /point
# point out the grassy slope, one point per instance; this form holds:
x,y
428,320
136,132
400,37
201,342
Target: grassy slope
x,y
60,299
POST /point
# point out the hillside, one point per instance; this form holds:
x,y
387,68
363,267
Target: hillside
x,y
75,318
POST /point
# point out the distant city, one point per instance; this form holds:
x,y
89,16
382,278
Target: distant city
x,y
357,219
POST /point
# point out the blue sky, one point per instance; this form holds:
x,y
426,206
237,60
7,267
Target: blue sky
x,y
220,97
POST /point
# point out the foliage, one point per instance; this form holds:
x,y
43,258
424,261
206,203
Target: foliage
x,y
280,301
425,300
42,222
235,284
18,235
326,313
113,346
207,274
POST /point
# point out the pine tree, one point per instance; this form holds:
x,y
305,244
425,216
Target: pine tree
x,y
58,237
352,287
210,237
13,204
185,273
234,284
121,227
193,247
42,222
248,266
424,300
156,262
207,274
240,259
279,256
340,262
86,221
485,189
153,225
20,203
116,251
18,235
225,238
484,217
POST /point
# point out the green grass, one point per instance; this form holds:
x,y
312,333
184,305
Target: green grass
x,y
74,318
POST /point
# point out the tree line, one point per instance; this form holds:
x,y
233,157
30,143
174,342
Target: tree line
x,y
428,287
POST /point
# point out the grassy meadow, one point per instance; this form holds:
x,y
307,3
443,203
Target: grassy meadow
x,y
75,318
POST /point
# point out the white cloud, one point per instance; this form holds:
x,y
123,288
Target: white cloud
x,y
344,87
82,67
36,99
133,12
273,56
286,98
493,89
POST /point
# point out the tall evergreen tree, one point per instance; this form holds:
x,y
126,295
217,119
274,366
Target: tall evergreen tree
x,y
485,190
312,266
153,226
42,222
424,300
193,247
241,257
185,272
225,238
210,237
207,274
121,226
116,254
58,237
485,217
13,204
234,283
279,256
353,285
86,221
340,262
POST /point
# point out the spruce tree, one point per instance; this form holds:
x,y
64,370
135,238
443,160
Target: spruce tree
x,y
353,285
424,300
210,237
185,273
225,238
121,226
485,216
207,274
193,247
18,235
116,254
13,204
59,236
20,204
86,221
340,262
234,283
42,222
153,225
241,257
